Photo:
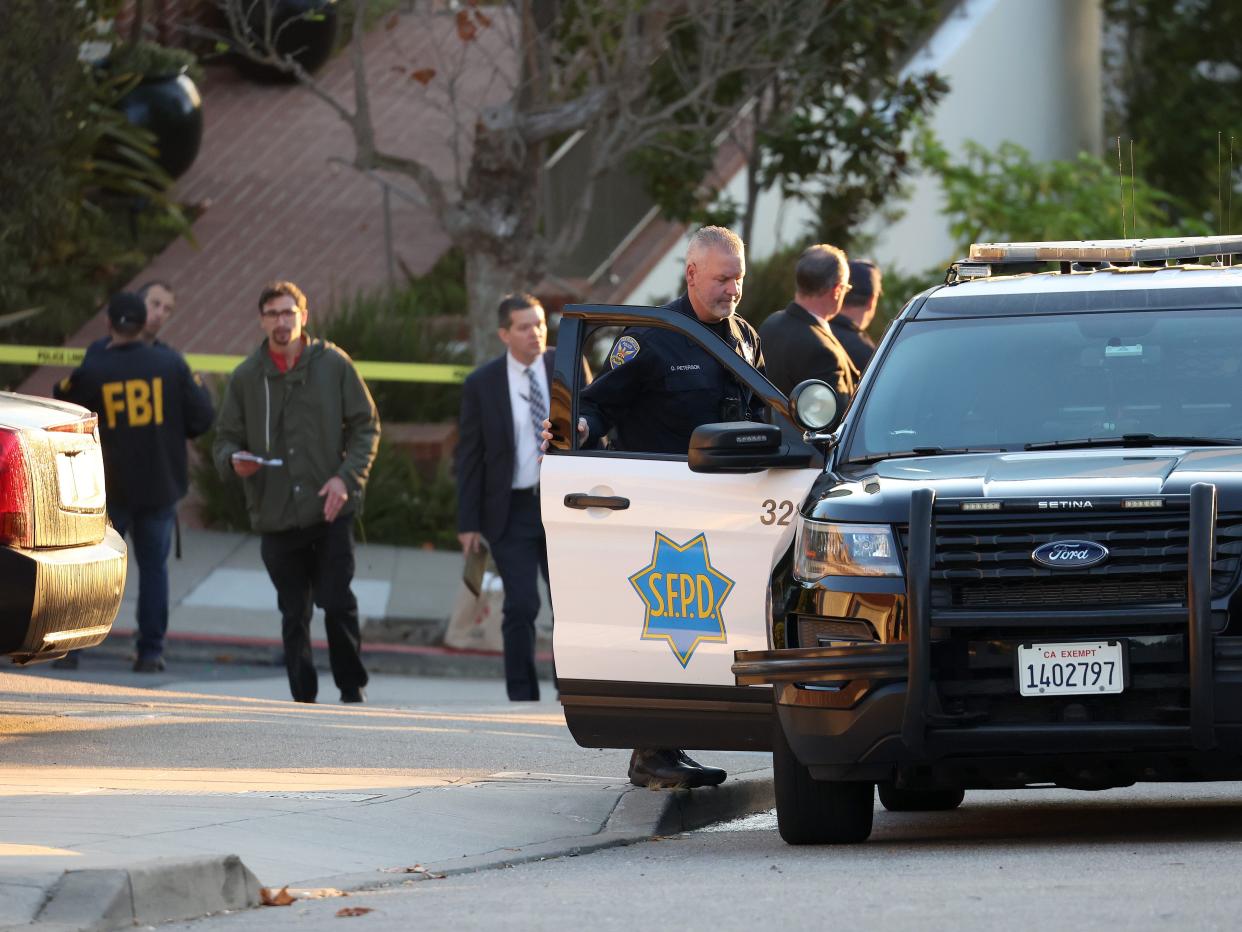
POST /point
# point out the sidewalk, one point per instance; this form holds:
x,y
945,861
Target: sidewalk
x,y
224,609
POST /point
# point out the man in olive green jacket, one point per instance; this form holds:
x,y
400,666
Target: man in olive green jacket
x,y
299,427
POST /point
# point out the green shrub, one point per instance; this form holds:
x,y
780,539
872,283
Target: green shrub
x,y
81,198
423,322
404,508
150,59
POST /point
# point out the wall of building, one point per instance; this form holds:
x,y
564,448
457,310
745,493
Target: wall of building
x,y
1020,71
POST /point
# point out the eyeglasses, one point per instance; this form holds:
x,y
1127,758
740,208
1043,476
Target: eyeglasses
x,y
276,315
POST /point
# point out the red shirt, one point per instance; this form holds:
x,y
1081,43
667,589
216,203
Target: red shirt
x,y
279,358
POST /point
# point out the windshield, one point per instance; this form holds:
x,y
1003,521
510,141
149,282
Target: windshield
x,y
1008,382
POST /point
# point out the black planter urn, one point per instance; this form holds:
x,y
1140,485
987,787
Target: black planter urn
x,y
304,30
171,108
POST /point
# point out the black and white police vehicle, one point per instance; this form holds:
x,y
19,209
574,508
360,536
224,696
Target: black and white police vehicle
x,y
1012,562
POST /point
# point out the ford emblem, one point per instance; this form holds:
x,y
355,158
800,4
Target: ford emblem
x,y
1070,554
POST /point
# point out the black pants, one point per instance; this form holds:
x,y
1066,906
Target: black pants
x,y
315,566
519,554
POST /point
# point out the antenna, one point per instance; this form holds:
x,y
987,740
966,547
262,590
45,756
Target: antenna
x,y
1133,194
1121,181
1220,213
1229,209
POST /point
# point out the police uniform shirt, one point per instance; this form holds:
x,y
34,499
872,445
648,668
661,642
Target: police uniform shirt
x,y
856,342
148,403
660,385
800,346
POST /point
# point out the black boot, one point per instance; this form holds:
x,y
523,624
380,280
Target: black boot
x,y
712,776
661,768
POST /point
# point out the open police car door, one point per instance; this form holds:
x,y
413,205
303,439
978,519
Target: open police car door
x,y
659,573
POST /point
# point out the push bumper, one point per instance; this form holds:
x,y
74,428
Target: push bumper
x,y
860,710
55,601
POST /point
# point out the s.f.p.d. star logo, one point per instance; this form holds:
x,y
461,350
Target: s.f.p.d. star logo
x,y
684,595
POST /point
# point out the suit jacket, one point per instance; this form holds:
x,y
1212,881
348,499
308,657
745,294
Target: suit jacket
x,y
484,457
857,342
797,346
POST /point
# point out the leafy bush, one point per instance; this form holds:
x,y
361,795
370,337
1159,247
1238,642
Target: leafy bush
x,y
403,507
424,322
1003,195
81,198
150,59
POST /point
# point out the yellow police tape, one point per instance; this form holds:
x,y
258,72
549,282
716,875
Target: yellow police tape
x,y
70,356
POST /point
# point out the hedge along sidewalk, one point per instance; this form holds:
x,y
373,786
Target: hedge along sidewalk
x,y
68,357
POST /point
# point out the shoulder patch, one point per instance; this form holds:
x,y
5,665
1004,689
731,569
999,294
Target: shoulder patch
x,y
623,351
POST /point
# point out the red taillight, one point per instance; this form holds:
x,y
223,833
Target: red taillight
x,y
16,502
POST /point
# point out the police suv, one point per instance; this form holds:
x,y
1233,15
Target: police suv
x,y
1013,561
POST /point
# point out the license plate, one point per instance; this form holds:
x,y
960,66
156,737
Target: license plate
x,y
78,476
1082,668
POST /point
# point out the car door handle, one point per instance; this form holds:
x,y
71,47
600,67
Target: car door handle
x,y
582,500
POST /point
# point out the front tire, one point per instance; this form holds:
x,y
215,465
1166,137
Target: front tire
x,y
896,799
817,812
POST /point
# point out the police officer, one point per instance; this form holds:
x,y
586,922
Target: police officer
x,y
850,326
799,339
149,403
660,386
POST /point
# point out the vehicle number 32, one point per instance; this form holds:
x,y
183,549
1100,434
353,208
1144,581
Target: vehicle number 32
x,y
775,512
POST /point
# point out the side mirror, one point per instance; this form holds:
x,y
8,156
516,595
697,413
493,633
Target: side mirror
x,y
736,446
815,406
742,446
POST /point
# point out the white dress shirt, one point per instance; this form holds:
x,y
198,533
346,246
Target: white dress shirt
x,y
526,443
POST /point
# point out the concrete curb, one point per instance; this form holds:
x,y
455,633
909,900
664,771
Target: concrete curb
x,y
400,659
639,815
144,894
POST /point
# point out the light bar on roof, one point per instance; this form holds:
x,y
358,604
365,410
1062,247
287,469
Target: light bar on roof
x,y
1108,250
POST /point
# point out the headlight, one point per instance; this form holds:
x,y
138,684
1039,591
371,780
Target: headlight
x,y
823,549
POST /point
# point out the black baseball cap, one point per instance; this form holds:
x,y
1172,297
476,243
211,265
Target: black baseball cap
x,y
864,279
127,311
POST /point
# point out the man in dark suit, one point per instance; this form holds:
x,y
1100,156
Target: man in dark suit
x,y
850,326
504,403
797,342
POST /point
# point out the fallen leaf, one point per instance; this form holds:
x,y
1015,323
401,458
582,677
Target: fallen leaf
x,y
280,897
416,869
466,29
353,911
423,75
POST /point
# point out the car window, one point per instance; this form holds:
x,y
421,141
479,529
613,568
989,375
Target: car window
x,y
1003,383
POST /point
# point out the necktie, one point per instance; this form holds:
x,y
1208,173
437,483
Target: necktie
x,y
538,407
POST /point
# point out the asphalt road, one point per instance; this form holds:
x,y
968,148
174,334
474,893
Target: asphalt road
x,y
1155,857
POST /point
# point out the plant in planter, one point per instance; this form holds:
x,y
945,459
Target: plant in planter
x,y
165,99
270,34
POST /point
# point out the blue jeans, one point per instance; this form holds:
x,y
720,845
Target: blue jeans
x,y
150,538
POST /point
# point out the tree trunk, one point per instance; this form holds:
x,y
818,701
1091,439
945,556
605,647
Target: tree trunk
x,y
495,228
488,278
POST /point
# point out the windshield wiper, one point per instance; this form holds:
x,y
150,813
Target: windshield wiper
x,y
1135,440
924,451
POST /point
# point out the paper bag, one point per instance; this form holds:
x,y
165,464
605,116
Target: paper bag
x,y
477,612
